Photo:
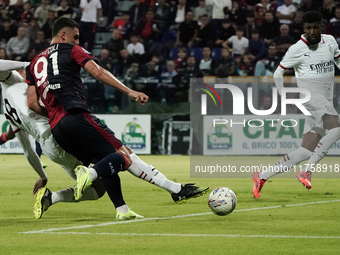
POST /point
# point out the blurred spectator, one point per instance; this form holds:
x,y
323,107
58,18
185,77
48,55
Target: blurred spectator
x,y
307,5
64,10
148,29
3,54
207,65
166,88
261,8
270,28
157,62
239,43
88,22
162,15
250,25
334,25
41,13
137,11
39,43
256,49
15,10
17,46
114,46
32,29
328,9
125,62
187,31
225,65
201,9
119,23
47,27
7,31
266,102
150,70
284,40
205,33
267,66
180,12
296,28
238,13
148,86
219,10
286,12
226,32
135,48
170,69
26,15
31,53
182,80
105,60
245,67
180,62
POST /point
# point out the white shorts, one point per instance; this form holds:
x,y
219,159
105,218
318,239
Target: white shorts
x,y
55,153
318,107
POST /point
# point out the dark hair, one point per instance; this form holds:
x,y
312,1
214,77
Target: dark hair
x,y
312,16
61,23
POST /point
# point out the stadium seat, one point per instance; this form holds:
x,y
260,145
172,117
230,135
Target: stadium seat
x,y
169,36
173,53
197,53
216,53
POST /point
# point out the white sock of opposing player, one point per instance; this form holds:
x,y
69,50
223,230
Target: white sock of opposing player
x,y
321,149
66,195
286,163
150,174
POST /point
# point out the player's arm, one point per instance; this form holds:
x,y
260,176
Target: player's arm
x,y
33,160
278,78
33,101
6,136
6,66
108,78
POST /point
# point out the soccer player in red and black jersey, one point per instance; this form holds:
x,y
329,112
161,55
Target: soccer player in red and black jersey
x,y
55,72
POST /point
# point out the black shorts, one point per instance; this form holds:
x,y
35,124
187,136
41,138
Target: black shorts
x,y
85,137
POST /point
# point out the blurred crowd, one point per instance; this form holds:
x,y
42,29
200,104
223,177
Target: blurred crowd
x,y
158,45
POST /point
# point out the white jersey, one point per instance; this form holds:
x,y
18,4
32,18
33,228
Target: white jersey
x,y
314,66
314,71
14,97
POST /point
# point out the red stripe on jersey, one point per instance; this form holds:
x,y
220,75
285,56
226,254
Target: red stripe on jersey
x,y
288,157
337,57
145,176
150,180
112,140
286,67
16,131
141,174
304,40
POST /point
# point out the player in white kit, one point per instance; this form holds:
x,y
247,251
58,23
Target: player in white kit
x,y
313,58
25,122
14,94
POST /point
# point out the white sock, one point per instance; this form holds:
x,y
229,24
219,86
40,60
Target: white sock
x,y
66,195
321,149
123,209
150,174
93,174
286,163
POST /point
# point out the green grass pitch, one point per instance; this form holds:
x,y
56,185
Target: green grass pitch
x,y
283,221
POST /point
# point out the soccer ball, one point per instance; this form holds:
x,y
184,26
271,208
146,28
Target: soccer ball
x,y
222,201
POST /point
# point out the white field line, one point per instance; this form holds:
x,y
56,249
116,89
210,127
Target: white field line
x,y
193,235
170,217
